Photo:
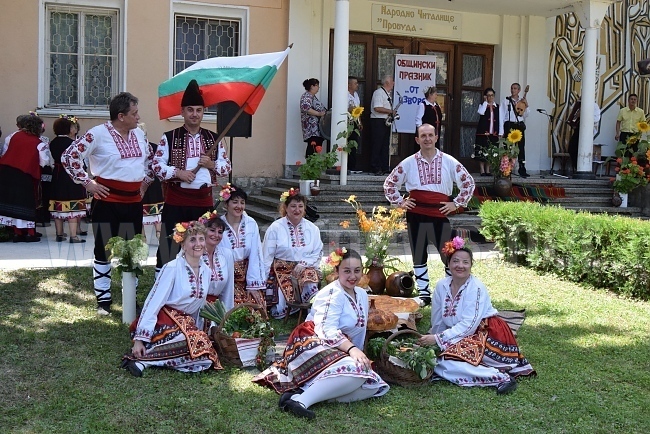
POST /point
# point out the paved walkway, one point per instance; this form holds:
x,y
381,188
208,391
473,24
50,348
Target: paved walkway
x,y
48,253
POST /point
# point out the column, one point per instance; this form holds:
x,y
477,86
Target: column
x,y
340,80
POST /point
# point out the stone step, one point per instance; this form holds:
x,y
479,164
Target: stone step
x,y
629,211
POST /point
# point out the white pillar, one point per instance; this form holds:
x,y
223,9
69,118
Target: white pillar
x,y
591,15
340,80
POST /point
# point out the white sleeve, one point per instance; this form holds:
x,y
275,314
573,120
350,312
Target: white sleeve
x,y
327,310
471,310
418,115
269,247
436,308
155,301
162,170
222,165
313,257
482,108
255,277
227,296
44,155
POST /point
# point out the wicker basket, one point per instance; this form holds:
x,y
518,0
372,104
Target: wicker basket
x,y
225,344
393,374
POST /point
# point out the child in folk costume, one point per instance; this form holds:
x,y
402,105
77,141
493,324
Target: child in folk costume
x,y
242,235
169,333
292,247
324,358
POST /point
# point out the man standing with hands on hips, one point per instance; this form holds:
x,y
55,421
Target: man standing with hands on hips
x,y
429,176
120,159
511,120
188,192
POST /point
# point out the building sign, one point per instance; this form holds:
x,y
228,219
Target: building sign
x,y
415,21
413,74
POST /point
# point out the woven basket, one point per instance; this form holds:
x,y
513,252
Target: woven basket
x,y
225,344
394,374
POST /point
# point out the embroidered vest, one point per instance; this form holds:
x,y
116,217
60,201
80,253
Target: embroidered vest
x,y
177,140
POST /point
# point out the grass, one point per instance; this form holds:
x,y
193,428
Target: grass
x,y
60,372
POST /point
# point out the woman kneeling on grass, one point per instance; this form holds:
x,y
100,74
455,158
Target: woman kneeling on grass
x,y
324,358
169,333
463,319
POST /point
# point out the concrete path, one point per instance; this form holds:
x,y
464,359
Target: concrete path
x,y
48,253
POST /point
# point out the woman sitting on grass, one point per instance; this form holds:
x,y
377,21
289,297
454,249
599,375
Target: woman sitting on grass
x,y
220,260
478,347
168,333
324,358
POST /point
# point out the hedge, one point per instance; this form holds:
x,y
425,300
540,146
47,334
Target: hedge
x,y
610,252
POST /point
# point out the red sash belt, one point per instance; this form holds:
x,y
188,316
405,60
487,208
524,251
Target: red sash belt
x,y
176,195
428,203
120,191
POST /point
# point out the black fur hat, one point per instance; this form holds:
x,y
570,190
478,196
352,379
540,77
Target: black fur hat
x,y
192,95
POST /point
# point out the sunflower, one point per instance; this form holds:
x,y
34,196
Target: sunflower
x,y
356,112
643,126
514,136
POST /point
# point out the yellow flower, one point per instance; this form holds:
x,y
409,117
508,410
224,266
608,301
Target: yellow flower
x,y
643,126
381,209
179,228
345,224
352,198
356,112
514,136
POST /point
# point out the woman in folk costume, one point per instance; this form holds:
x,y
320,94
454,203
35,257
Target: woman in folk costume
x,y
67,199
487,130
152,201
20,176
220,260
478,347
324,358
292,247
168,333
243,237
429,112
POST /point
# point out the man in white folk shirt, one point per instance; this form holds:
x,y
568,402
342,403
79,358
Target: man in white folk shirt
x,y
429,176
510,120
188,195
120,159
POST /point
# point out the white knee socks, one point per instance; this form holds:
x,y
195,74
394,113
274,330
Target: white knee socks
x,y
102,282
330,388
422,280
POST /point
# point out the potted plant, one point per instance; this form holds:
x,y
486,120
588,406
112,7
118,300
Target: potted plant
x,y
633,170
129,255
501,158
377,231
311,170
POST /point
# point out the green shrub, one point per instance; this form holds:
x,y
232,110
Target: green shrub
x,y
609,252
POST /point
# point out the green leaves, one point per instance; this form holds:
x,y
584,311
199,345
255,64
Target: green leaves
x,y
129,254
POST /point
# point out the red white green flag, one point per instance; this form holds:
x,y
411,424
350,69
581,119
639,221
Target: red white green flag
x,y
242,79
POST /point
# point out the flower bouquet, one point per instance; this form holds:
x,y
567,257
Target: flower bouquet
x,y
129,254
633,170
377,231
501,155
353,125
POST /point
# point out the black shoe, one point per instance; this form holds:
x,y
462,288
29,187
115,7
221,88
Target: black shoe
x,y
32,239
75,240
60,238
38,234
285,397
19,239
82,233
130,366
378,173
507,386
522,172
298,409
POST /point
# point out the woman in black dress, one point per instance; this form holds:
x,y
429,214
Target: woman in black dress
x,y
67,200
487,130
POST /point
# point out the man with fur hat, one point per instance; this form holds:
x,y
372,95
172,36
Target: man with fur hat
x,y
120,160
188,165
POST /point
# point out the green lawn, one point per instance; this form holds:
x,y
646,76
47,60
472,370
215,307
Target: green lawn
x,y
60,370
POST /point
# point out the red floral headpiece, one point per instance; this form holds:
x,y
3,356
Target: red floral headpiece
x,y
225,192
181,229
451,246
206,217
335,258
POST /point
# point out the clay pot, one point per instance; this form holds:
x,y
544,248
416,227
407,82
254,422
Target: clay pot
x,y
400,284
377,279
314,188
502,187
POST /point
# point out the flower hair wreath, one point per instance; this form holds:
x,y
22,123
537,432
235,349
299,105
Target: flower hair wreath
x,y
226,192
71,118
180,229
457,243
335,258
206,217
290,192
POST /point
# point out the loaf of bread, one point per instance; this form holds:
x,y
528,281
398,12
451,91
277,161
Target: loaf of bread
x,y
380,320
393,304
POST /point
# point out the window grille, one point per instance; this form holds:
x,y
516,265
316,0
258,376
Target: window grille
x,y
199,38
82,57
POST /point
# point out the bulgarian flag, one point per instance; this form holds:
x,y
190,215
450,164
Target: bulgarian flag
x,y
242,79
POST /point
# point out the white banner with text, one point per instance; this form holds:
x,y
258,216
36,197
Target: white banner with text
x,y
413,74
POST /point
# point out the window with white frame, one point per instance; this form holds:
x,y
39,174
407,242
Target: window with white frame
x,y
81,56
198,38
